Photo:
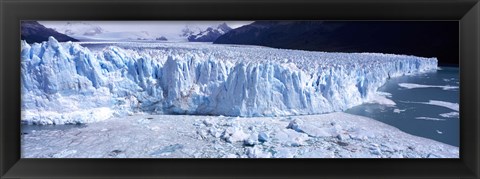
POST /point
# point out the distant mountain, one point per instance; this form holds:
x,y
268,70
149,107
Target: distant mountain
x,y
208,35
79,28
190,30
32,31
161,38
421,38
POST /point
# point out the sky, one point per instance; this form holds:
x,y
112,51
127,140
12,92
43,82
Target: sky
x,y
169,29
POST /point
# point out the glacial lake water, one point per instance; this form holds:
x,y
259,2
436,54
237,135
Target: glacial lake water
x,y
411,114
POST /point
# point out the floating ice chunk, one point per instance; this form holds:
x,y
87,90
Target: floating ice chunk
x,y
381,98
398,110
450,115
453,106
412,86
430,118
439,132
450,105
381,93
448,80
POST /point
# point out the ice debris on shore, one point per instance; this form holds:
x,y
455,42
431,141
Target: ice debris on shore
x,y
333,135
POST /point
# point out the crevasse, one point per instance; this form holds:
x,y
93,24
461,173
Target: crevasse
x,y
67,83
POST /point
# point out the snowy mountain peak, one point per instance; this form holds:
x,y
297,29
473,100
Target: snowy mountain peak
x,y
189,30
32,31
224,27
210,34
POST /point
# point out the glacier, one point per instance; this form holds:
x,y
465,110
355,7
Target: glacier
x,y
67,83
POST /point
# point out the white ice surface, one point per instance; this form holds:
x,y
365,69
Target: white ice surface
x,y
382,99
412,86
450,115
430,118
202,79
453,106
333,135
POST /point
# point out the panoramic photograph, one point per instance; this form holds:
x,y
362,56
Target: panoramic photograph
x,y
240,89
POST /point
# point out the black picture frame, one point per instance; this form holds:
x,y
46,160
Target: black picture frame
x,y
467,12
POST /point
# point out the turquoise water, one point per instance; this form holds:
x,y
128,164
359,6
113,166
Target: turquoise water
x,y
444,129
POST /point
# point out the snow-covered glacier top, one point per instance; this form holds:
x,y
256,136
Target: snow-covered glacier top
x,y
69,83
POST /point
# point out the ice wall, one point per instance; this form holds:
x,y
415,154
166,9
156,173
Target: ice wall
x,y
68,83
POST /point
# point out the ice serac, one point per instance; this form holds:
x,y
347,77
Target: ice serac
x,y
63,80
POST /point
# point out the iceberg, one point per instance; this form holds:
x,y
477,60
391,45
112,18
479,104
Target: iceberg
x,y
198,78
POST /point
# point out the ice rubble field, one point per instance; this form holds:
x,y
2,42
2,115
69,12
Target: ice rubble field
x,y
65,83
333,135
